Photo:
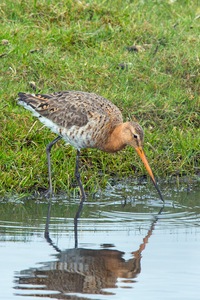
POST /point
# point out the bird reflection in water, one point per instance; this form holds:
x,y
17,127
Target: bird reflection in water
x,y
81,271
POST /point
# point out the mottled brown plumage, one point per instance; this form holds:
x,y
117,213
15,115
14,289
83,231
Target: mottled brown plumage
x,y
86,120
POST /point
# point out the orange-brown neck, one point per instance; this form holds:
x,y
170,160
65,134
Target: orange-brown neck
x,y
115,142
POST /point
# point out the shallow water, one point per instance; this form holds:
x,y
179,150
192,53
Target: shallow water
x,y
140,250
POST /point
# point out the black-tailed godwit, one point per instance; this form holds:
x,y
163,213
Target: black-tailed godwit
x,y
85,120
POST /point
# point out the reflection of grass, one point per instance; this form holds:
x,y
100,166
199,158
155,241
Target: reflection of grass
x,y
29,212
77,45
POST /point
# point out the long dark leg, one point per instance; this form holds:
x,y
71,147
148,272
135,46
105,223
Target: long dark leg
x,y
78,213
46,232
78,177
83,196
48,151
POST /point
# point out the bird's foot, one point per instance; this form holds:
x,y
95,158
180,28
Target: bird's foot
x,y
48,194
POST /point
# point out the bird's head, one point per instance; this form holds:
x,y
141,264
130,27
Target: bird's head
x,y
133,134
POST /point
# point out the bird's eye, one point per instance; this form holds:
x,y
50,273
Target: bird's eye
x,y
135,136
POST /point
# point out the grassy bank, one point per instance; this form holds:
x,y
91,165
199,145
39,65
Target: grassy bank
x,y
82,45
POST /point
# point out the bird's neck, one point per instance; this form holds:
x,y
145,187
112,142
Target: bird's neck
x,y
115,142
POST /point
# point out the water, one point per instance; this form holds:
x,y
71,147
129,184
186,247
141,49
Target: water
x,y
139,250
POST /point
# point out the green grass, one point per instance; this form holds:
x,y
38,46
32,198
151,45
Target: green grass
x,y
78,45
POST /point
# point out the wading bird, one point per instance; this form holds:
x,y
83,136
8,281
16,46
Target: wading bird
x,y
85,120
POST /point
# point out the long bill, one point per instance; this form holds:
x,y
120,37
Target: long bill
x,y
140,152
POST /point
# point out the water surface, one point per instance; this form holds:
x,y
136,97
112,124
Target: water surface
x,y
129,246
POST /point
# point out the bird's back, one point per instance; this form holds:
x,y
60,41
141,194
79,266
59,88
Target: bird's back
x,y
82,119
